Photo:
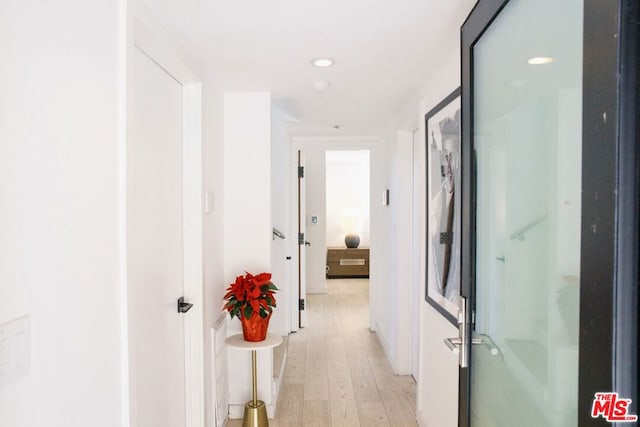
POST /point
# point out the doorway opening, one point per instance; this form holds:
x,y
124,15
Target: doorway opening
x,y
347,195
354,326
347,216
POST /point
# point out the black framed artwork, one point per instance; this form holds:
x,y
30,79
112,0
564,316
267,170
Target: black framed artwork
x,y
443,168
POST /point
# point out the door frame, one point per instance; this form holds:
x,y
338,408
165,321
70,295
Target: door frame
x,y
327,143
294,247
144,34
300,238
608,348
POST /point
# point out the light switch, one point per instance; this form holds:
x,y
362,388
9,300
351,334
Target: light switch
x,y
209,202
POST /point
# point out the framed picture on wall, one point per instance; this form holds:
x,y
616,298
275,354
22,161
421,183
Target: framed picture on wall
x,y
443,136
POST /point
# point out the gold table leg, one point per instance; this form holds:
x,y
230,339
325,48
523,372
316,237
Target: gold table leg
x,y
255,411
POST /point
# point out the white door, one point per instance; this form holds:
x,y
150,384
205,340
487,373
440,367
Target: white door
x,y
155,247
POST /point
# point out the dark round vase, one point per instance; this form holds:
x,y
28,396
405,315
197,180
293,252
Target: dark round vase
x,y
352,240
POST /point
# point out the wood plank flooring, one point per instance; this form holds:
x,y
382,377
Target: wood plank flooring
x,y
337,373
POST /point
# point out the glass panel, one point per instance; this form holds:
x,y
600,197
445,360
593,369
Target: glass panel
x,y
527,133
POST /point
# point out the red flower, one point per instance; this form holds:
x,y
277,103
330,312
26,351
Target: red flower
x,y
262,279
250,294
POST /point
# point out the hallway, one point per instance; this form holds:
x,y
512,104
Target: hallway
x,y
337,373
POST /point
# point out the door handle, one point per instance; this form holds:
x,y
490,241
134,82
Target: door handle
x,y
307,243
183,307
458,345
455,343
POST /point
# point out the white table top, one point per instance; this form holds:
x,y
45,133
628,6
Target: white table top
x,y
237,341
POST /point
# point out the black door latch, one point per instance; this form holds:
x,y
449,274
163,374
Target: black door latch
x,y
183,307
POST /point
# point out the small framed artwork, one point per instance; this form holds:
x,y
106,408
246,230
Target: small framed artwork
x,y
443,137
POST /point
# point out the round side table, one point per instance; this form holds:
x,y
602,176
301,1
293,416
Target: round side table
x,y
255,411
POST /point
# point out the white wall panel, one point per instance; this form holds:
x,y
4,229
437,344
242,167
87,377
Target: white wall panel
x,y
59,132
247,220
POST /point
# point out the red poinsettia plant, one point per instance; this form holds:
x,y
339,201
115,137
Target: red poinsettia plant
x,y
251,294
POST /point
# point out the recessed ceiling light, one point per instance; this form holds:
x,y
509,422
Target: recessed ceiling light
x,y
322,62
540,60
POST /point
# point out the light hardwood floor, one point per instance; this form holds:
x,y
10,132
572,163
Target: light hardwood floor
x,y
337,373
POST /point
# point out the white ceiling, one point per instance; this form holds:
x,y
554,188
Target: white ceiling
x,y
383,50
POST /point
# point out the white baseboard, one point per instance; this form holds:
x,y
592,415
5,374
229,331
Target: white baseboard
x,y
236,412
277,382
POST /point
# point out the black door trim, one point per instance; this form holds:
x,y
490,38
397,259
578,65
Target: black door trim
x,y
599,153
609,259
478,21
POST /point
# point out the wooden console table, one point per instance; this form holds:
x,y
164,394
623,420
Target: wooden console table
x,y
347,262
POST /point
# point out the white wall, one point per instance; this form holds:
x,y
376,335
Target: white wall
x,y
59,257
247,220
247,183
437,399
382,286
437,404
347,196
213,227
392,168
401,210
